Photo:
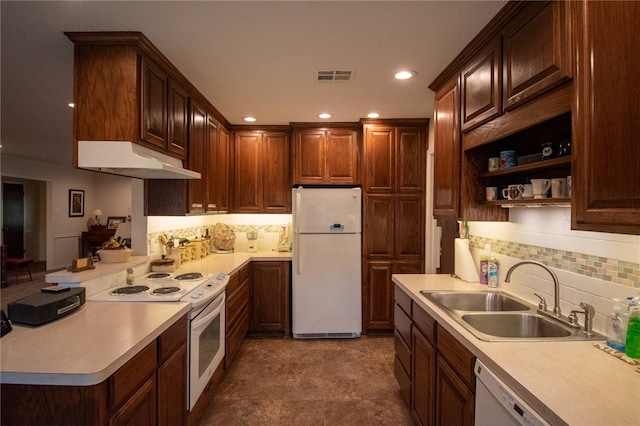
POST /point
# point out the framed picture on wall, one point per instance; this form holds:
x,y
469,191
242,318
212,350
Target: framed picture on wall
x,y
113,221
76,202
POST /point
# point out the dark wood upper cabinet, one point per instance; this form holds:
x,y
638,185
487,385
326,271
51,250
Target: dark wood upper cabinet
x,y
197,157
262,177
481,86
155,84
536,56
606,152
325,155
446,175
379,150
178,119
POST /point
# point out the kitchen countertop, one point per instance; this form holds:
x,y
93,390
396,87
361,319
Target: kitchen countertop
x,y
88,346
101,268
566,382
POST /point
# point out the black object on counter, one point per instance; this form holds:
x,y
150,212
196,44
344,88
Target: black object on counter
x,y
5,325
44,307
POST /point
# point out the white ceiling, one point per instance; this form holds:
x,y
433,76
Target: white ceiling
x,y
248,58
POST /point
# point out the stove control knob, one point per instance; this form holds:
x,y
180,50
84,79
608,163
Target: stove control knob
x,y
220,277
196,294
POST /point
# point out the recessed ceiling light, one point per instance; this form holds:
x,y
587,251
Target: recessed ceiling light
x,y
405,75
249,119
373,115
71,105
324,115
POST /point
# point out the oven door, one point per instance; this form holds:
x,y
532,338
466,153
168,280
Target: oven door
x,y
206,348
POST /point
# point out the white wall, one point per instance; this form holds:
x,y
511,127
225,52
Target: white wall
x,y
63,232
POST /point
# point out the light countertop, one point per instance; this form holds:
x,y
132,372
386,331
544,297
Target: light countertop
x,y
566,382
89,345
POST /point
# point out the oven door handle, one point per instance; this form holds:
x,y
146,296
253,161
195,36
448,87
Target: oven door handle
x,y
209,312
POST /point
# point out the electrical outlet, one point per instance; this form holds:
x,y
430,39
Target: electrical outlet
x,y
260,233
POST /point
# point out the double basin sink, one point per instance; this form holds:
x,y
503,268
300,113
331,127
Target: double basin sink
x,y
497,316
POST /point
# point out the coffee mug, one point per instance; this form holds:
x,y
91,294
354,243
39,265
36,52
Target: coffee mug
x,y
507,159
527,192
558,187
540,187
513,192
494,164
491,192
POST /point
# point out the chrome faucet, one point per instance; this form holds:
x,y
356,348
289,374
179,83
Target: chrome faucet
x,y
588,313
556,283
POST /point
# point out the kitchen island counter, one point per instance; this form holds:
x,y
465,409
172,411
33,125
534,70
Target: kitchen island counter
x,y
566,382
86,347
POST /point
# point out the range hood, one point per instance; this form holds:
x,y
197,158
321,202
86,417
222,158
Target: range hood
x,y
130,159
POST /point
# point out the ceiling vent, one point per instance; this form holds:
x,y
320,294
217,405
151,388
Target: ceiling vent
x,y
331,76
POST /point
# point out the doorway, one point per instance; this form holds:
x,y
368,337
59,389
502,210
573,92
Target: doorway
x,y
24,218
13,218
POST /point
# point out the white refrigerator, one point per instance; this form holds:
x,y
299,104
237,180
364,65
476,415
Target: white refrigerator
x,y
327,263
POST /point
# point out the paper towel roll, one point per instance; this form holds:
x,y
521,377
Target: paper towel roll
x,y
465,267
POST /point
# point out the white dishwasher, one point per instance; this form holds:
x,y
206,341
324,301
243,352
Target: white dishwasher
x,y
497,405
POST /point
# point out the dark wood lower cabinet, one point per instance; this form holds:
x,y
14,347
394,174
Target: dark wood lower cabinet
x,y
270,288
140,409
172,380
454,401
423,381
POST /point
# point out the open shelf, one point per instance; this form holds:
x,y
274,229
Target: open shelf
x,y
533,202
527,168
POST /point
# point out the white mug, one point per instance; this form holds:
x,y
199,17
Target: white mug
x,y
558,187
527,192
540,187
513,192
491,193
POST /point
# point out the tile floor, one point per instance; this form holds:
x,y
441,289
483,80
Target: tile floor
x,y
310,382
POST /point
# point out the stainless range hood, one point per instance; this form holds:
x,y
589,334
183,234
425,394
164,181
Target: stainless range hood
x,y
130,159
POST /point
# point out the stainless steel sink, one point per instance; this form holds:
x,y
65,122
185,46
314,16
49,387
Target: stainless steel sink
x,y
519,325
478,301
498,316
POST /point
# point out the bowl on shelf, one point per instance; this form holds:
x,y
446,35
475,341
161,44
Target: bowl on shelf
x,y
114,255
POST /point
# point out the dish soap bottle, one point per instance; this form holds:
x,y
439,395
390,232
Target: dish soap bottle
x,y
617,328
493,271
484,264
633,329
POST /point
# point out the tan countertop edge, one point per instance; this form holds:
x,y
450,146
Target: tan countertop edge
x,y
566,382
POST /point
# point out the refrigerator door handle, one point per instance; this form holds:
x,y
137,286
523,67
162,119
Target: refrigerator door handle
x,y
296,253
298,196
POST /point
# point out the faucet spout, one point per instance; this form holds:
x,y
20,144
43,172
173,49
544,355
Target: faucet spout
x,y
556,283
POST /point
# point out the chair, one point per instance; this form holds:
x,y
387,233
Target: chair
x,y
16,264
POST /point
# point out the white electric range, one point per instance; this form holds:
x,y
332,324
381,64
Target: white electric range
x,y
166,287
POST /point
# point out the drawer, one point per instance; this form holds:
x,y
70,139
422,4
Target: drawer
x,y
425,323
133,374
402,323
236,304
403,381
403,299
457,356
234,337
172,339
403,353
233,284
244,273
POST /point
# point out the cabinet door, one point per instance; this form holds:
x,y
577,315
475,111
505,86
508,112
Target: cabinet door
x,y
247,172
481,82
606,152
223,168
309,156
409,226
212,186
140,409
341,157
536,54
172,389
379,146
378,226
197,156
455,403
154,104
178,120
411,157
446,175
276,184
423,380
378,296
270,297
